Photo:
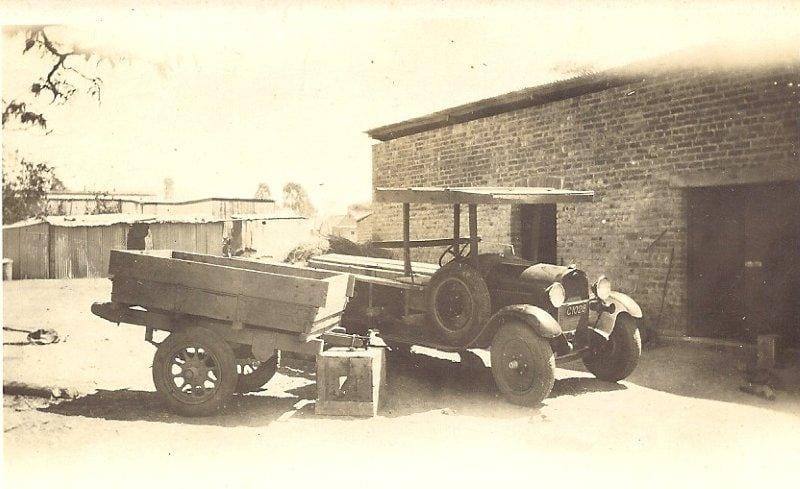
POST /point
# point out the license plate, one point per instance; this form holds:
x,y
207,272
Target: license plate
x,y
575,309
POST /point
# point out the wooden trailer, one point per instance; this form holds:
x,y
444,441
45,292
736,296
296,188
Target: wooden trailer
x,y
227,318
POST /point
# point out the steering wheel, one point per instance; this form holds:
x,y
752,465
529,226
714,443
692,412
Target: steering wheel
x,y
451,250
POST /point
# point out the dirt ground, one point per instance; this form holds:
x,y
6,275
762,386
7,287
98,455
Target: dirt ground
x,y
679,418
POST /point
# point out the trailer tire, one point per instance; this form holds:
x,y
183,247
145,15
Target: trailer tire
x,y
523,364
204,362
458,303
258,377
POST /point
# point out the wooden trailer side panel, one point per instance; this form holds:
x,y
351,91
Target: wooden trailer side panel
x,y
196,302
219,279
235,294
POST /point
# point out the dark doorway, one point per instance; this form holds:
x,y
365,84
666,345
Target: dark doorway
x,y
744,261
137,236
538,233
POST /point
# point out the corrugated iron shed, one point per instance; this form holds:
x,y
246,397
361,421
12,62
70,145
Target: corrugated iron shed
x,y
79,246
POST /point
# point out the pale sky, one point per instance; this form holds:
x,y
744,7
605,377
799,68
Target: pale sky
x,y
220,99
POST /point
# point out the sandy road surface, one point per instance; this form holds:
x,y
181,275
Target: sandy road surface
x,y
680,416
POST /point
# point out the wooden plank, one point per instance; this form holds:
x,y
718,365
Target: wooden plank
x,y
174,298
478,195
220,279
340,288
355,269
420,243
380,263
375,280
389,271
255,265
185,300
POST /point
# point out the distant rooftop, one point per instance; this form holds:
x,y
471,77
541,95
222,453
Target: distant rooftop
x,y
90,220
142,198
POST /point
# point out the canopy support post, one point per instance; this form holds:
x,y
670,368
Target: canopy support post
x,y
407,239
456,229
473,232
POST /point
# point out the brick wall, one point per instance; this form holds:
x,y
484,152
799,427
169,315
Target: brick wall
x,y
626,143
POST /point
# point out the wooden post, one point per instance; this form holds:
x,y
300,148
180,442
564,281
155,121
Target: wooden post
x,y
407,239
456,227
473,232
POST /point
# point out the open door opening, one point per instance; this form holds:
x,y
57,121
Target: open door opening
x,y
744,261
538,233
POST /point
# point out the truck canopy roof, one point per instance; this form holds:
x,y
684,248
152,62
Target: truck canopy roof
x,y
482,195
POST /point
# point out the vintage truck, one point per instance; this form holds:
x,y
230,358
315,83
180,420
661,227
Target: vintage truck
x,y
529,315
228,317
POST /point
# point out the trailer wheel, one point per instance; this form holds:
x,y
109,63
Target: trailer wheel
x,y
195,372
458,302
523,364
617,358
252,376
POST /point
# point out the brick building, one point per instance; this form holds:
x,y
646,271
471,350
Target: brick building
x,y
695,169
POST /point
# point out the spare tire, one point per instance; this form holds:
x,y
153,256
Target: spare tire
x,y
458,303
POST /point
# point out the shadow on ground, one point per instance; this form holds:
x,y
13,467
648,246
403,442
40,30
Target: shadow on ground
x,y
416,383
711,372
128,405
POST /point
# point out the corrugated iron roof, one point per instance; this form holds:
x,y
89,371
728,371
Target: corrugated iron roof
x,y
268,216
90,220
148,199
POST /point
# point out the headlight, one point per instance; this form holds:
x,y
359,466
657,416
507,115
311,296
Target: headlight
x,y
557,294
602,288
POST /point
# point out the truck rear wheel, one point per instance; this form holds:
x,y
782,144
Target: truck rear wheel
x,y
617,358
523,364
458,302
253,377
195,372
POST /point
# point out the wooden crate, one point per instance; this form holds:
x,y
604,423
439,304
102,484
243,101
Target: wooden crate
x,y
349,382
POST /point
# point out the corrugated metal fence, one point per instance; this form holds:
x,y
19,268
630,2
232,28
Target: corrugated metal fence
x,y
45,250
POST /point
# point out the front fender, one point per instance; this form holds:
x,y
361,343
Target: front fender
x,y
536,318
622,303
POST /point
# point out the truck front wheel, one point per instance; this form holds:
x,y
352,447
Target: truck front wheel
x,y
523,364
616,358
194,370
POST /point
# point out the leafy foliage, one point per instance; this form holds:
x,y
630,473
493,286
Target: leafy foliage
x,y
263,191
25,190
18,110
64,78
296,198
25,187
104,206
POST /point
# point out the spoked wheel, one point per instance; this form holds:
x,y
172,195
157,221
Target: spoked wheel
x,y
253,375
195,372
523,364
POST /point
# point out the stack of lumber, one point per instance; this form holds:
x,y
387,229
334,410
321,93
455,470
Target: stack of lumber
x,y
372,267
